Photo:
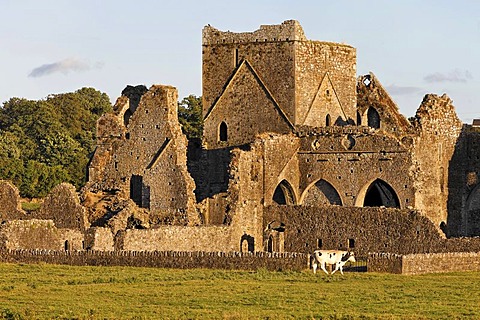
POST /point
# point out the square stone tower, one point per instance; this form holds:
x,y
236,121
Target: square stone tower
x,y
272,80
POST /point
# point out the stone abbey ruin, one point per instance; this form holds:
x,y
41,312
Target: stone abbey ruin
x,y
298,153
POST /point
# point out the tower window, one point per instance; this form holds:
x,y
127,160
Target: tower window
x,y
328,120
223,135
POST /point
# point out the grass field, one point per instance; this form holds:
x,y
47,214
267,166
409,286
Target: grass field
x,y
44,291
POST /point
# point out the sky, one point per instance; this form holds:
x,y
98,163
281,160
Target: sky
x,y
413,47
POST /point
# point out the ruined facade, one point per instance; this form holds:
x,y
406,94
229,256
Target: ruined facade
x,y
298,153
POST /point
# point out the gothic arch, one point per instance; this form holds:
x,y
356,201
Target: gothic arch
x,y
373,118
223,132
472,215
377,193
473,200
321,192
284,194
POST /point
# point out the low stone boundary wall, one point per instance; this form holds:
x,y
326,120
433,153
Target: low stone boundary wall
x,y
162,259
423,263
385,263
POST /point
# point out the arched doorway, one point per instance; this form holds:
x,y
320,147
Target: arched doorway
x,y
247,243
283,194
373,118
380,193
321,193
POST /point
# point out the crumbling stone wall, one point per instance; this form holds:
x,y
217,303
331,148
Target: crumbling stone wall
x,y
372,95
62,205
10,206
144,161
438,129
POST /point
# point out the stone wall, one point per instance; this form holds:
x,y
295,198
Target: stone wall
x,y
62,205
372,95
385,263
99,239
350,160
268,49
177,238
325,82
181,260
464,185
272,79
363,230
144,162
39,234
424,263
438,130
10,206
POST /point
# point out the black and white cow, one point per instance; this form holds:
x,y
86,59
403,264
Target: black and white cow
x,y
333,257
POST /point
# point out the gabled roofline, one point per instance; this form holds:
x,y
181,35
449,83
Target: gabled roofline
x,y
247,64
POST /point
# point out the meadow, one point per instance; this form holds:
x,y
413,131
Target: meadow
x,y
42,291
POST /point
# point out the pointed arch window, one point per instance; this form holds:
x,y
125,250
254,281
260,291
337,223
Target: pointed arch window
x,y
373,118
328,120
223,132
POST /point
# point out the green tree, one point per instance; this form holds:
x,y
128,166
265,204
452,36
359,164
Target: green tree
x,y
190,116
46,142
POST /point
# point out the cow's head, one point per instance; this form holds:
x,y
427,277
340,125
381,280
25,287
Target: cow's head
x,y
348,256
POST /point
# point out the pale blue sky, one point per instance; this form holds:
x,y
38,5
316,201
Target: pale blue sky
x,y
413,47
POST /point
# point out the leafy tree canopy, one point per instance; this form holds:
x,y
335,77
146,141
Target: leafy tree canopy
x,y
190,116
46,142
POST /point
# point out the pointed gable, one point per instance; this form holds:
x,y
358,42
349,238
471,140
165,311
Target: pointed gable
x,y
246,108
325,109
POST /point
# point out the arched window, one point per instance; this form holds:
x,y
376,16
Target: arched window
x,y
328,120
283,194
321,193
373,118
379,193
359,119
270,244
222,134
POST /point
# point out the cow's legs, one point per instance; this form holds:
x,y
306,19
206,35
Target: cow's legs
x,y
323,267
338,265
314,266
336,268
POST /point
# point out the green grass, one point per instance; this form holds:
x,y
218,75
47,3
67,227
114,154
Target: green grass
x,y
44,291
31,206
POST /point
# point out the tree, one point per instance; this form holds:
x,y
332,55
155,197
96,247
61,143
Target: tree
x,y
190,116
46,142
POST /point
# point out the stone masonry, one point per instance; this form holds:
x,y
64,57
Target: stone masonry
x,y
298,153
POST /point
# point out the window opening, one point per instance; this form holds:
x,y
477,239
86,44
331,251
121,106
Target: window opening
x,y
328,120
223,132
373,118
